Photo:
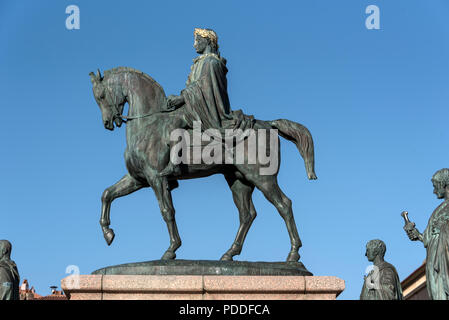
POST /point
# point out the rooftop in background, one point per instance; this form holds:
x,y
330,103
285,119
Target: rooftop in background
x,y
414,286
30,294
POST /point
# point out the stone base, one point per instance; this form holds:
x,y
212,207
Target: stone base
x,y
201,287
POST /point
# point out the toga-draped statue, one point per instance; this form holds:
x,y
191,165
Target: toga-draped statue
x,y
382,283
436,239
9,275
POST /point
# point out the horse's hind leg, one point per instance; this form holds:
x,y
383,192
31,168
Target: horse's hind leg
x,y
161,188
284,206
269,186
241,192
125,186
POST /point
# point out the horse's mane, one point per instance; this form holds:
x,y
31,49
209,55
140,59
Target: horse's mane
x,y
113,71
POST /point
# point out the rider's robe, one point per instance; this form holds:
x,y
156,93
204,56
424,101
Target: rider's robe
x,y
436,241
206,93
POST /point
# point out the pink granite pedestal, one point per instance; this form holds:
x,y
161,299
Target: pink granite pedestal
x,y
204,287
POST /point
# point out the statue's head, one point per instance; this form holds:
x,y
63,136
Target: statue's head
x,y
440,181
375,248
109,98
205,38
5,249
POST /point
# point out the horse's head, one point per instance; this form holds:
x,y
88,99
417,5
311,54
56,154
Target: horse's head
x,y
110,99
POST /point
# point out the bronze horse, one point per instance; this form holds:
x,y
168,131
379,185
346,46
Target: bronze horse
x,y
148,139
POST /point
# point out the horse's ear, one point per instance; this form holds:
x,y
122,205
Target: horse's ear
x,y
99,75
93,78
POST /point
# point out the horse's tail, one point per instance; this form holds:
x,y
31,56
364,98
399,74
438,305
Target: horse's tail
x,y
302,138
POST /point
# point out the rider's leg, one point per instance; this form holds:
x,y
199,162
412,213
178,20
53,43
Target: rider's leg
x,y
171,170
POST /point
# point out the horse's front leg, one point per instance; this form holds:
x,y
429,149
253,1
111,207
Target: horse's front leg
x,y
125,186
163,195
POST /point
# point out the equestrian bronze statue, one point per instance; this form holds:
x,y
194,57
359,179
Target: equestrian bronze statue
x,y
152,120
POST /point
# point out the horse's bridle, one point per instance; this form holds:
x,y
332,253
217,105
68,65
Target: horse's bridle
x,y
118,114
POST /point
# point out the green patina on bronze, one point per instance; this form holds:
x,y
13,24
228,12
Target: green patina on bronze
x,y
207,267
382,283
435,239
152,117
9,275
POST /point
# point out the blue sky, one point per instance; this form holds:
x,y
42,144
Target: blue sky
x,y
375,102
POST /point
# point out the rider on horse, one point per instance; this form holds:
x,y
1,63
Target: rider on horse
x,y
205,97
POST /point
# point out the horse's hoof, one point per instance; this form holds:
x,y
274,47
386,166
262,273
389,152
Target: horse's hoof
x,y
109,236
312,176
168,255
226,257
293,257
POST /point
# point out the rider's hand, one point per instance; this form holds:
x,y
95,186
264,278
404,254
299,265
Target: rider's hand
x,y
174,101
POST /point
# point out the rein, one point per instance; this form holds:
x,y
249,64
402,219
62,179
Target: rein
x,y
126,118
121,116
